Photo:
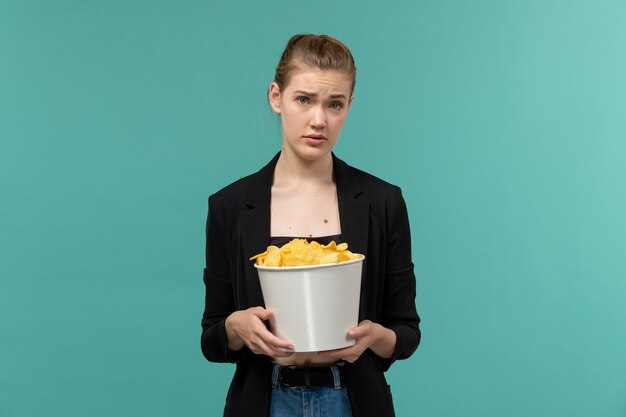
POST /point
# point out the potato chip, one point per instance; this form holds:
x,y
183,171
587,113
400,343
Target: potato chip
x,y
342,247
299,252
273,257
330,258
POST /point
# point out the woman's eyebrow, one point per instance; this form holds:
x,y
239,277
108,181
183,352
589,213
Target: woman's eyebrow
x,y
307,93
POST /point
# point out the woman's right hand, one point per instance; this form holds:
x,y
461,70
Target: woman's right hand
x,y
246,327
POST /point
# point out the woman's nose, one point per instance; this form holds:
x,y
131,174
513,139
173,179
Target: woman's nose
x,y
318,119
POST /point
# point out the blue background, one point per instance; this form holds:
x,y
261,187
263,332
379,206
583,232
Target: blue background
x,y
502,121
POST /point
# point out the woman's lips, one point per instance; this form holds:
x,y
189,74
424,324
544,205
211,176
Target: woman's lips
x,y
314,139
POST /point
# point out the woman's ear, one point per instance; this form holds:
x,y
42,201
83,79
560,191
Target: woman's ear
x,y
274,97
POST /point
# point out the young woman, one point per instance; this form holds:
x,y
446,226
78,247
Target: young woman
x,y
306,191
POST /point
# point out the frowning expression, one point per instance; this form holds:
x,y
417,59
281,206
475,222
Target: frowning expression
x,y
313,107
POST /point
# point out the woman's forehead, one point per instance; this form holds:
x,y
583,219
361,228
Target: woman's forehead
x,y
319,81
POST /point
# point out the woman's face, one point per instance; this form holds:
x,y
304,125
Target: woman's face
x,y
313,107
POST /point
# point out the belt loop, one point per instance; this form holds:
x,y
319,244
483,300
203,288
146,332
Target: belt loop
x,y
336,377
275,374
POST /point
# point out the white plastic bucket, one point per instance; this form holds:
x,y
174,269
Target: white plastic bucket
x,y
314,306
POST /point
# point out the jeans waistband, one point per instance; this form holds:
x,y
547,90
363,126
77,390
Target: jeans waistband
x,y
325,376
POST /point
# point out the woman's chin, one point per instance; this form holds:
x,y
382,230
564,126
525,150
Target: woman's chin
x,y
310,153
315,154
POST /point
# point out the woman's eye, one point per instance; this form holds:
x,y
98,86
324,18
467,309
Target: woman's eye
x,y
336,105
303,100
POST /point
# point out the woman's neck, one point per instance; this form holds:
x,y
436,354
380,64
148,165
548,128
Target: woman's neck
x,y
291,168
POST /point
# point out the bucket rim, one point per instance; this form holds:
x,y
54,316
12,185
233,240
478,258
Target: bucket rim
x,y
307,267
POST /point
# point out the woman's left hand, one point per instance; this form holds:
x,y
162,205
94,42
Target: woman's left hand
x,y
381,340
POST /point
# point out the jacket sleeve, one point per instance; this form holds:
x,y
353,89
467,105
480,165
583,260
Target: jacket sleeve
x,y
219,299
398,308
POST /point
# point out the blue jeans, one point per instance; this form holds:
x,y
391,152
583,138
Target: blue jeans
x,y
309,402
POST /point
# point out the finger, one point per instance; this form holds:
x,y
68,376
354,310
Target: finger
x,y
266,315
270,339
261,313
259,347
357,332
268,312
279,343
280,352
262,347
363,329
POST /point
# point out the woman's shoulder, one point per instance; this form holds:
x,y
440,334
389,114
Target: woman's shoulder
x,y
232,198
252,188
371,185
233,191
